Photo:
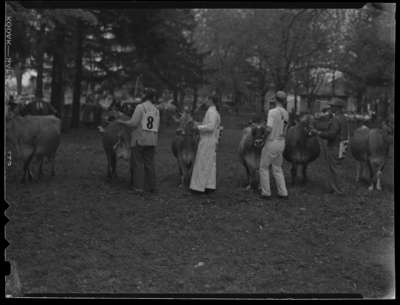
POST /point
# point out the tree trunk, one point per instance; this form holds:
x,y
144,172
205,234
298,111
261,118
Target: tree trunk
x,y
78,77
57,86
40,60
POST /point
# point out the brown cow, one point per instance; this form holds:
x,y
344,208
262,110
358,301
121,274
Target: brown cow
x,y
116,143
184,148
301,147
371,147
250,146
33,137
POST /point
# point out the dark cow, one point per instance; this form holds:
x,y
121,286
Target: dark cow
x,y
301,148
184,148
370,147
250,147
33,137
116,144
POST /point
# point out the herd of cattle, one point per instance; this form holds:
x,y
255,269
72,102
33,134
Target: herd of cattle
x,y
38,137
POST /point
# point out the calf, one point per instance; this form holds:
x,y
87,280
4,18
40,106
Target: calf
x,y
184,148
116,144
250,146
371,147
301,147
34,137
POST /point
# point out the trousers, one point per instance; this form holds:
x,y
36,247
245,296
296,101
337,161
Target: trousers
x,y
271,155
142,166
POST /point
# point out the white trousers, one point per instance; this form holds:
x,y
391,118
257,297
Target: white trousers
x,y
271,155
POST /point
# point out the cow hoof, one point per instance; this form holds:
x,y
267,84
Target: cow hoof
x,y
371,188
378,188
248,188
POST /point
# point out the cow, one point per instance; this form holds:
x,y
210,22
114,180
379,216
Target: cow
x,y
33,137
116,144
301,147
370,146
250,147
184,148
167,111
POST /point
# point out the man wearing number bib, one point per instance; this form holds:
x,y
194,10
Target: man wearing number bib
x,y
334,144
145,122
271,154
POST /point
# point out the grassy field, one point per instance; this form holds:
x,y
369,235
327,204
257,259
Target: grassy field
x,y
79,233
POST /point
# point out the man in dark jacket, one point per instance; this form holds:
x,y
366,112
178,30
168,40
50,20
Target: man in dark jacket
x,y
335,137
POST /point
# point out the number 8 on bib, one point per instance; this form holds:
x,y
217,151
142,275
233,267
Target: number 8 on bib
x,y
151,121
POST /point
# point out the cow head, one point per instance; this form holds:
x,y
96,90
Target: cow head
x,y
259,134
387,128
122,147
388,125
306,122
187,126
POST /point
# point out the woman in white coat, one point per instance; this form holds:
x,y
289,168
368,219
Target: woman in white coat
x,y
204,175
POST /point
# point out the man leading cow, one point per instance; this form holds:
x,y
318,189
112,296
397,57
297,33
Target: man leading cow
x,y
145,122
271,154
335,137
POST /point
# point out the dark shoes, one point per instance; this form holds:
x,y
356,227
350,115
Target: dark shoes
x,y
265,197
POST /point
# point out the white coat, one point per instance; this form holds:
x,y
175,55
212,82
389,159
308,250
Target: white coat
x,y
204,175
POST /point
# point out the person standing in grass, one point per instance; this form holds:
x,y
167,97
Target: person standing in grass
x,y
204,175
271,155
145,122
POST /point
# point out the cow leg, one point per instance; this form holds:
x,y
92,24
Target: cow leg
x,y
371,176
187,176
304,171
26,168
253,179
30,176
181,176
378,180
113,164
40,172
248,176
358,171
108,166
293,171
53,165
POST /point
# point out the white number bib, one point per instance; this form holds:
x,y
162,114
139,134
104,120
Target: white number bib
x,y
151,120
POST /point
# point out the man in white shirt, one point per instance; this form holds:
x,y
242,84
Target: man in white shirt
x,y
145,122
271,154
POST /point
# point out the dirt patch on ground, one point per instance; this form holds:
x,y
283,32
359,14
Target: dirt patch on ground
x,y
79,232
